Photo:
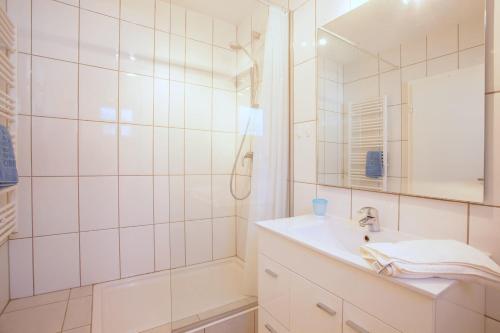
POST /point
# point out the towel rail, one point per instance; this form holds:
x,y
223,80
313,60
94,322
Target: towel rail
x,y
8,117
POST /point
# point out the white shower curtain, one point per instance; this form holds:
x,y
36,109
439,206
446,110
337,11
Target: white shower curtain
x,y
269,198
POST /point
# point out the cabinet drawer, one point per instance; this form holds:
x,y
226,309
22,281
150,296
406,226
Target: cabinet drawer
x,y
358,321
267,324
274,289
313,309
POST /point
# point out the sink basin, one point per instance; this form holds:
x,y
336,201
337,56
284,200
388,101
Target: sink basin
x,y
341,238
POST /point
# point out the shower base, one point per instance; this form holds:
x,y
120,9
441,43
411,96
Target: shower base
x,y
180,300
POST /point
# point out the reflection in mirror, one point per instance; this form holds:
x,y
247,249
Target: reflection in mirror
x,y
401,98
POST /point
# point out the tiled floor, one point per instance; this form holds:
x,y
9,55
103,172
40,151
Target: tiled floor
x,y
67,311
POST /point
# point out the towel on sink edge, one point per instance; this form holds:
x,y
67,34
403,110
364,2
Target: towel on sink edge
x,y
8,170
432,258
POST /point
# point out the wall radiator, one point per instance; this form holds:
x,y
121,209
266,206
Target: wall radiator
x,y
367,132
8,80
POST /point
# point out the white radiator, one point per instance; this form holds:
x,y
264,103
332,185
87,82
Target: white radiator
x,y
8,75
367,132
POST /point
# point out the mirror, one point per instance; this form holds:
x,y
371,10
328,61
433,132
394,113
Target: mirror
x,y
401,98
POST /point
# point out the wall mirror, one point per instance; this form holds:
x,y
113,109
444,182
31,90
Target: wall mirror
x,y
401,98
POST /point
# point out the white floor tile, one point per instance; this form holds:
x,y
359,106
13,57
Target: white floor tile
x,y
78,313
29,302
41,319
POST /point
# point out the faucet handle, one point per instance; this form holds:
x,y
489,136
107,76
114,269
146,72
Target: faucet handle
x,y
369,211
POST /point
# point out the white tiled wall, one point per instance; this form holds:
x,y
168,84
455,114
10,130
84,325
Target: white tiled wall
x,y
126,141
476,224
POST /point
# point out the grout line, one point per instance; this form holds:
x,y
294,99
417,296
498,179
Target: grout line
x,y
120,275
78,154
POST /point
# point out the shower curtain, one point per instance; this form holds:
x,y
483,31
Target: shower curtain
x,y
269,198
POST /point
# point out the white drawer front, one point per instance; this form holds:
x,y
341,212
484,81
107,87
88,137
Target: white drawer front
x,y
274,289
314,309
267,324
358,321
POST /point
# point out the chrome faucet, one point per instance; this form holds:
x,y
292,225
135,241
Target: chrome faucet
x,y
369,219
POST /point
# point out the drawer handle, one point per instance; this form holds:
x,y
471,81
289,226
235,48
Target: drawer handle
x,y
270,328
356,327
271,273
327,309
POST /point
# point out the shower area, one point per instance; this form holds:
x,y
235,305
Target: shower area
x,y
145,155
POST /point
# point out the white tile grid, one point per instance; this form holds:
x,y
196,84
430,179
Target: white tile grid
x,y
117,121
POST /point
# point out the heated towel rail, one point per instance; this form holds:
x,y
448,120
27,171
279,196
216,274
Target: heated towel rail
x,y
8,80
367,132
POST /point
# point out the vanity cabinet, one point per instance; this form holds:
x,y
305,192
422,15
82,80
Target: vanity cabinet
x,y
304,291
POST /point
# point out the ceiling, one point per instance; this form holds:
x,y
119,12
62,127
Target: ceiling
x,y
234,11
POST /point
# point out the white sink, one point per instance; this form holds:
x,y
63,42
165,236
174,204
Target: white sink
x,y
341,238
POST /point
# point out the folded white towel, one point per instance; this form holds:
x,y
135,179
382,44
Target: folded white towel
x,y
432,258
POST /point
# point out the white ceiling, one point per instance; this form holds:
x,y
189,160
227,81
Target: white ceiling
x,y
234,11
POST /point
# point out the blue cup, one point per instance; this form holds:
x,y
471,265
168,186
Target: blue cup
x,y
319,206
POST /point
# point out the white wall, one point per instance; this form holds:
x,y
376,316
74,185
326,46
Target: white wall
x,y
126,141
4,275
477,224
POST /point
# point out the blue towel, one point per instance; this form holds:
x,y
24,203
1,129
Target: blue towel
x,y
8,171
374,164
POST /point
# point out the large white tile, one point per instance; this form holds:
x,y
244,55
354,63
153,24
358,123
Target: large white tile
x,y
4,275
136,48
177,244
98,198
55,205
339,200
394,159
54,144
21,267
43,319
471,33
176,151
198,63
55,88
386,204
304,32
198,197
414,51
100,256
305,152
23,158
138,11
162,246
198,152
178,20
198,107
176,107
52,23
99,40
244,31
177,57
136,200
472,57
410,73
106,7
161,151
241,237
302,198
98,151
199,27
98,94
162,20
136,99
161,102
162,54
224,68
442,64
78,313
224,33
433,218
223,152
492,326
19,11
390,86
56,262
136,250
223,204
224,234
136,150
198,241
24,212
38,300
224,110
305,92
484,227
176,205
161,199
442,41
23,85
